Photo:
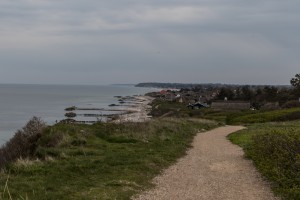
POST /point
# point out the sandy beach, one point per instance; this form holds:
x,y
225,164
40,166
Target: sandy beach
x,y
137,111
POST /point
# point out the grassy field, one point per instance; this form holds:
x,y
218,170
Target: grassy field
x,y
101,161
275,150
175,109
249,117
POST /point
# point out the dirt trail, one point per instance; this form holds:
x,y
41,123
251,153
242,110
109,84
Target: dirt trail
x,y
213,169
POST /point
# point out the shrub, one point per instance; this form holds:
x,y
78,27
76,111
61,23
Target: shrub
x,y
51,138
24,143
291,104
277,155
289,116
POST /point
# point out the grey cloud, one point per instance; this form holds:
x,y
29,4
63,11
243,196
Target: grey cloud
x,y
171,40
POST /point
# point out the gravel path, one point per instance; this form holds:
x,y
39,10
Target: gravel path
x,y
213,169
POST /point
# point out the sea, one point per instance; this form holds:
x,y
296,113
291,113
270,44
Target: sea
x,y
20,102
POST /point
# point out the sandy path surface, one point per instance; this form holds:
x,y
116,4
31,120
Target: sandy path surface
x,y
213,169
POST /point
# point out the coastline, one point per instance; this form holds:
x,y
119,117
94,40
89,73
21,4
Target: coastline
x,y
129,109
48,103
137,111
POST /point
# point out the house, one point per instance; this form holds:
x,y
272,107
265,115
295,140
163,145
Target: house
x,y
163,92
198,105
231,105
170,97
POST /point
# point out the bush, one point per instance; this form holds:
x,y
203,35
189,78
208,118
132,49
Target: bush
x,y
277,155
24,143
289,117
291,104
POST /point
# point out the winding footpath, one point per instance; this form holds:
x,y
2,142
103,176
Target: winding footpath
x,y
214,169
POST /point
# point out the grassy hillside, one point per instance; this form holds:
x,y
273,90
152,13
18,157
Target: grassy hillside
x,y
275,150
102,161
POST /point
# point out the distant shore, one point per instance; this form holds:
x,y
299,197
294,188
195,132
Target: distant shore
x,y
129,109
137,111
49,101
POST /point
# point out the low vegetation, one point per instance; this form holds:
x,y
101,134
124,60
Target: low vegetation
x,y
275,150
107,161
248,117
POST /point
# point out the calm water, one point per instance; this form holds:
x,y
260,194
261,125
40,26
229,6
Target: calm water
x,y
18,103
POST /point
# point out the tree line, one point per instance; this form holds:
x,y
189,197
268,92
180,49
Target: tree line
x,y
259,95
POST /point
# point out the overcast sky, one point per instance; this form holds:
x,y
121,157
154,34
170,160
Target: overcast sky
x,y
131,41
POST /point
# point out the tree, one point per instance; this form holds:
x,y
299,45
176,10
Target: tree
x,y
295,82
247,93
238,93
225,92
270,93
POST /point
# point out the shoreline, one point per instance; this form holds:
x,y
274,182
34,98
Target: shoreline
x,y
48,103
137,112
130,109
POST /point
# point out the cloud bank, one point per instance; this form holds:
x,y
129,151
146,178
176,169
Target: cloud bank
x,y
130,41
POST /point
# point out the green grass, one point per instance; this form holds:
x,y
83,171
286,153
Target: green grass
x,y
275,150
102,161
248,117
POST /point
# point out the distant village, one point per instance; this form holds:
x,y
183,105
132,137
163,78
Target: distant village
x,y
227,97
